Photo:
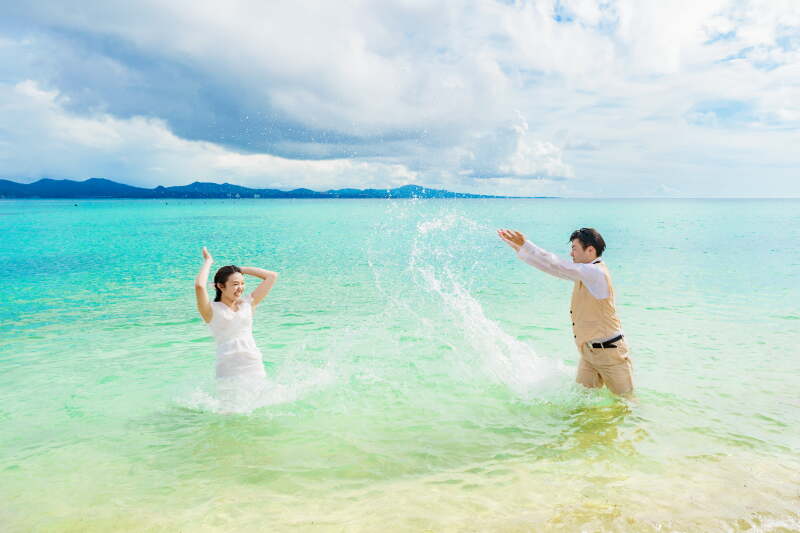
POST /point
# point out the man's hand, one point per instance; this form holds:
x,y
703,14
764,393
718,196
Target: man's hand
x,y
513,238
207,256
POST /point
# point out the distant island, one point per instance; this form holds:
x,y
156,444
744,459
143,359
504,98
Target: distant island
x,y
104,188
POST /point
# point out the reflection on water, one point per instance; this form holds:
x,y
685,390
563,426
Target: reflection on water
x,y
594,431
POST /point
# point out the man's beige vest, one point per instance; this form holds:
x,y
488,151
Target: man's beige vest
x,y
593,319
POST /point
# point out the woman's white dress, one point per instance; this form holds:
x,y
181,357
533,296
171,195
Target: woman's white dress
x,y
237,353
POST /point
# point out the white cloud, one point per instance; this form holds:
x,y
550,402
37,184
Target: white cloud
x,y
512,151
41,138
532,158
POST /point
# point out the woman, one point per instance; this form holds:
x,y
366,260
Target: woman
x,y
230,316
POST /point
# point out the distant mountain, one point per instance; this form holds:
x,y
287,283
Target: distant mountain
x,y
103,188
91,188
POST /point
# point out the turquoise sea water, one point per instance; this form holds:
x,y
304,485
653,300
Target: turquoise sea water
x,y
422,375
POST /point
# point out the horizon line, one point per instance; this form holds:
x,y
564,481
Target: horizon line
x,y
485,196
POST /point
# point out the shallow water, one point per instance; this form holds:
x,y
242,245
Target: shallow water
x,y
420,376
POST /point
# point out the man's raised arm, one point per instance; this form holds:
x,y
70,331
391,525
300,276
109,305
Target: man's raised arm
x,y
550,263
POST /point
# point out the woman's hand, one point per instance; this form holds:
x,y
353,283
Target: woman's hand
x,y
268,280
200,282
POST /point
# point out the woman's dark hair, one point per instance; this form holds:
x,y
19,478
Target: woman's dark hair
x,y
221,277
589,237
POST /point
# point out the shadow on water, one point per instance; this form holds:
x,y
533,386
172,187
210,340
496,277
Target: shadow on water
x,y
595,432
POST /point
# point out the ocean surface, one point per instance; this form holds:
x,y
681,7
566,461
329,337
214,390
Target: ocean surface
x,y
420,376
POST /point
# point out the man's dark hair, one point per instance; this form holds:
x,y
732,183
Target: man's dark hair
x,y
589,237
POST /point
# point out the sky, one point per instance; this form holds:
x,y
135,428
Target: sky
x,y
583,98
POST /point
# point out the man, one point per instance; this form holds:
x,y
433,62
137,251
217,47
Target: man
x,y
595,326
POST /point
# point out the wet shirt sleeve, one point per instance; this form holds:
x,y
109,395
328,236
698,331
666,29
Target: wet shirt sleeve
x,y
590,274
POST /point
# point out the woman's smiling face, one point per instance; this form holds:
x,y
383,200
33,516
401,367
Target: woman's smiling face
x,y
233,288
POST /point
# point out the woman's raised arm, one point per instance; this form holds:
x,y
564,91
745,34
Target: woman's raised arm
x,y
268,280
201,289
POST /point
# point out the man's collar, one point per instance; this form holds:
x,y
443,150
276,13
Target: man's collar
x,y
598,260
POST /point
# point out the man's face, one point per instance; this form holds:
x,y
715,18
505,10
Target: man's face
x,y
580,254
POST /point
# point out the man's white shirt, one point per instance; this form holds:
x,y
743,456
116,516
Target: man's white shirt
x,y
589,273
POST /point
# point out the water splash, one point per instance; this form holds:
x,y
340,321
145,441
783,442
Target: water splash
x,y
504,358
245,394
441,257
